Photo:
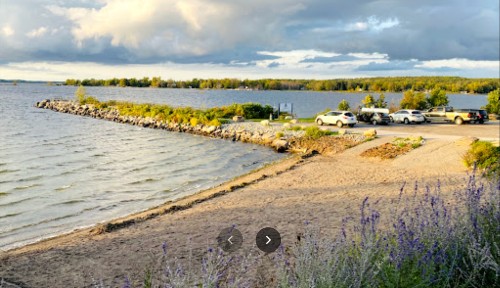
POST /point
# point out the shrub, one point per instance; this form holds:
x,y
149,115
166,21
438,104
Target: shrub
x,y
493,105
412,100
484,156
80,94
438,98
344,105
314,132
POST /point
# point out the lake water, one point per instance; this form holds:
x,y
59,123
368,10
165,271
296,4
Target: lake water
x,y
59,172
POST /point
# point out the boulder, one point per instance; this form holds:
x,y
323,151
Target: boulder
x,y
238,119
342,131
265,123
287,125
280,145
294,121
370,133
288,118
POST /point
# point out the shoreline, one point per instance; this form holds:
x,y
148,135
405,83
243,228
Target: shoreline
x,y
271,169
284,195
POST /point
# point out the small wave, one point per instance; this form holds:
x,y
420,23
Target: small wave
x,y
62,188
143,181
75,201
10,215
15,202
31,178
26,186
8,171
3,194
137,169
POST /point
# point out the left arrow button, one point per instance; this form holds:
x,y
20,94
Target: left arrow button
x,y
230,239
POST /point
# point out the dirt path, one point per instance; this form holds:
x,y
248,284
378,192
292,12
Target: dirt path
x,y
321,189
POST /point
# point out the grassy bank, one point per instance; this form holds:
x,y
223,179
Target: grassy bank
x,y
183,115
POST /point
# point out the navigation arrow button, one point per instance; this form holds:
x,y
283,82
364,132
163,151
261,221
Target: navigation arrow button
x,y
268,239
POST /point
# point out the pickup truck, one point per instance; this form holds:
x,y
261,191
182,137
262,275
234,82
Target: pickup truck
x,y
448,114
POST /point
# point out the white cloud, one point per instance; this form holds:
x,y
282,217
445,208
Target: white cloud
x,y
372,24
369,55
7,31
171,27
459,64
36,33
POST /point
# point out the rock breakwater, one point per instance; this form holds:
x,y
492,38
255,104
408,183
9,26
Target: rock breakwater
x,y
276,136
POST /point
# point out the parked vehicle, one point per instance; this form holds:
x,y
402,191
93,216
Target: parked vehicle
x,y
481,115
407,116
374,115
448,114
339,118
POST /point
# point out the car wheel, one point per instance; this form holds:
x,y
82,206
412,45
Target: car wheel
x,y
340,124
407,121
392,119
459,121
374,122
320,122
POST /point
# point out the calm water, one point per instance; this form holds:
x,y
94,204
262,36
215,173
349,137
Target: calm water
x,y
59,172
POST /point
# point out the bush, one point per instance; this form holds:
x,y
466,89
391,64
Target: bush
x,y
314,132
412,100
438,98
80,94
493,105
484,156
344,105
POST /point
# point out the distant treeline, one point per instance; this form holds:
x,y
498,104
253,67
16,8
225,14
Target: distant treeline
x,y
381,84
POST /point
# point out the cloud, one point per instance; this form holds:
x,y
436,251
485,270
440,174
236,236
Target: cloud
x,y
334,37
7,31
459,64
38,32
372,24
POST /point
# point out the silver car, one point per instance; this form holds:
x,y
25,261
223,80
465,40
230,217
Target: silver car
x,y
407,116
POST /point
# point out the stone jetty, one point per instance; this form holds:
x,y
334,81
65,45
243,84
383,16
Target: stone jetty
x,y
279,137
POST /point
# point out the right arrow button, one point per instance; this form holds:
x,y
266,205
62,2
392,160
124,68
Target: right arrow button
x,y
268,239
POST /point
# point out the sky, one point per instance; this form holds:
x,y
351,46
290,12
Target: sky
x,y
53,40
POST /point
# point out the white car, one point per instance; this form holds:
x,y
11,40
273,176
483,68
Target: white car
x,y
407,116
339,118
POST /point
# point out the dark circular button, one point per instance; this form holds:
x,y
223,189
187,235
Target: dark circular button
x,y
268,239
230,239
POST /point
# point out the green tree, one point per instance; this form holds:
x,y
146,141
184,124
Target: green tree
x,y
344,105
412,100
380,103
368,101
80,94
493,105
438,98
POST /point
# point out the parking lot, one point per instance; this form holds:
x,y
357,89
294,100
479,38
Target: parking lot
x,y
487,131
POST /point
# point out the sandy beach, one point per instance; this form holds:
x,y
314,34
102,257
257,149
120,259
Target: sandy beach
x,y
321,189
